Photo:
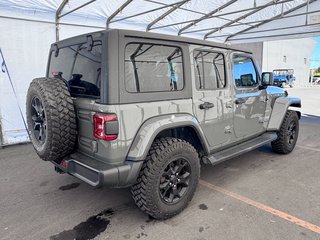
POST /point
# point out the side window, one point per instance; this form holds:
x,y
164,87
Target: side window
x,y
209,70
244,72
153,68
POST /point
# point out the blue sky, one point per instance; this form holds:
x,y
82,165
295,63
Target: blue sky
x,y
315,59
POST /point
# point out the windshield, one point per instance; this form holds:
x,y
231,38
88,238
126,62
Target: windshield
x,y
79,67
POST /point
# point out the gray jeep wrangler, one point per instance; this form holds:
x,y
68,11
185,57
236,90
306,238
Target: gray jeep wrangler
x,y
121,108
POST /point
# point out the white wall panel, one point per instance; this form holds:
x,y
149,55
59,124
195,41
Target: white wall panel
x,y
25,46
297,53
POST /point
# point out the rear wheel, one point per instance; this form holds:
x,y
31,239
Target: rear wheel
x,y
168,178
288,134
51,118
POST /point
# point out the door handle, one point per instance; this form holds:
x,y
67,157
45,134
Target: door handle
x,y
240,100
206,105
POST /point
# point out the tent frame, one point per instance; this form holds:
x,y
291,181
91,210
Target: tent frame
x,y
190,23
279,16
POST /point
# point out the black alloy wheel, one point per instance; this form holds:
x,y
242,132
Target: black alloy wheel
x,y
292,132
174,182
287,134
168,178
38,120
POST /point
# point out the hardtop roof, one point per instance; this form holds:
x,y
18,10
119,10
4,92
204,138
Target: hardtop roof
x,y
149,35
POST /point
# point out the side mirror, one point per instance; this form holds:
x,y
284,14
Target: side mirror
x,y
267,79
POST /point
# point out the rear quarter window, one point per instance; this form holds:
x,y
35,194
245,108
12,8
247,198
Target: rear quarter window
x,y
209,70
153,68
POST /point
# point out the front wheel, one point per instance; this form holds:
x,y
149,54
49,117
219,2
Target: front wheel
x,y
288,134
168,178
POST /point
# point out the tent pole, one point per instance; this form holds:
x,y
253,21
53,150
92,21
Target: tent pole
x,y
307,10
57,19
252,22
116,12
171,10
149,11
50,22
214,16
73,10
271,30
206,16
271,19
277,35
59,16
241,17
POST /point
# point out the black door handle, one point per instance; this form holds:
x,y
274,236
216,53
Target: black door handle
x,y
206,105
240,100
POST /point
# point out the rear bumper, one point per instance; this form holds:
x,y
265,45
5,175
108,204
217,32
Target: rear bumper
x,y
97,173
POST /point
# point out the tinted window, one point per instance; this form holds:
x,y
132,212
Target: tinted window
x,y
209,70
153,68
80,67
244,72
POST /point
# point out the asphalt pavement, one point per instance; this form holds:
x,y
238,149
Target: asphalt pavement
x,y
259,195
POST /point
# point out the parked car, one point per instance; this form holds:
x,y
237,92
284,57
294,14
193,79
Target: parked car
x,y
282,77
123,108
316,78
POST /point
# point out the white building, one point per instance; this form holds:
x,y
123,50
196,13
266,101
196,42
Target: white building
x,y
289,54
284,54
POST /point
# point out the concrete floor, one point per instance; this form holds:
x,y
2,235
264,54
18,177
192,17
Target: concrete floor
x,y
37,203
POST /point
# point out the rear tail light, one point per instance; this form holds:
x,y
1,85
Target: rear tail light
x,y
106,126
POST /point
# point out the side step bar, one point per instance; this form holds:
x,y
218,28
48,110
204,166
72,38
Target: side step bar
x,y
241,148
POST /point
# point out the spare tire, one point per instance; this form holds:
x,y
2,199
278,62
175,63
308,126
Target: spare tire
x,y
51,118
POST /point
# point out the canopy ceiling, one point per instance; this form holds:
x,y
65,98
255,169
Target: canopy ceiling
x,y
226,21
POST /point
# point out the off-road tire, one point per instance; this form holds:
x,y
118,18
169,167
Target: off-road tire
x,y
281,144
60,118
146,191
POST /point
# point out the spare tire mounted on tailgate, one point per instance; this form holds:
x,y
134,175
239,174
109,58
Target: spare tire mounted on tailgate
x,y
51,118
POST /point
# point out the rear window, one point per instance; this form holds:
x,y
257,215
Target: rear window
x,y
79,67
153,68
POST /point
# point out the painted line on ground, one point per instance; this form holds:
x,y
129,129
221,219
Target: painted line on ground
x,y
308,148
278,213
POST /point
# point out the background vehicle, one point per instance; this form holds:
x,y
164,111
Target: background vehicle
x,y
316,78
123,108
283,77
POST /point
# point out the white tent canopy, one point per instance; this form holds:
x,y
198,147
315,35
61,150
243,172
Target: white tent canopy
x,y
29,27
216,20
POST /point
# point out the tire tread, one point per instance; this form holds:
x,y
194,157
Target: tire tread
x,y
60,116
158,153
